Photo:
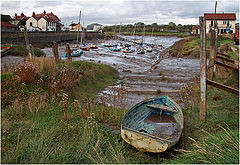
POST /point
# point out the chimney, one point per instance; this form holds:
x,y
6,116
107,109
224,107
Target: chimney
x,y
33,14
22,14
44,13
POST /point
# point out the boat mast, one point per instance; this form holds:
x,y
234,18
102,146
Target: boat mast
x,y
115,32
83,32
78,26
82,36
134,31
152,31
120,28
143,32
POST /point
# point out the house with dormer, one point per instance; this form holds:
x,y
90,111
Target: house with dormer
x,y
44,21
225,22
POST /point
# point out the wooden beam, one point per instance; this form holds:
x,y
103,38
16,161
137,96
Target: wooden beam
x,y
226,66
203,65
225,59
223,87
225,55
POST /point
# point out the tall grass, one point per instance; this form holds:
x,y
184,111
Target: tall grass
x,y
213,148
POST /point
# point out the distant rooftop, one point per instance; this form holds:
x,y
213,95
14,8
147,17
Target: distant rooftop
x,y
220,16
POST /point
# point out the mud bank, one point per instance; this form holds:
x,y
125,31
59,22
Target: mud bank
x,y
146,75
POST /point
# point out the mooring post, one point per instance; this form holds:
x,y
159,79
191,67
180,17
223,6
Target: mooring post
x,y
27,43
31,50
68,52
203,85
55,51
213,54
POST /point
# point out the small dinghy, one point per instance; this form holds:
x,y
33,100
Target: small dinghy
x,y
154,125
75,52
128,50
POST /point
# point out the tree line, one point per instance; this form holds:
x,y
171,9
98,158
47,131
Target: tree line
x,y
171,26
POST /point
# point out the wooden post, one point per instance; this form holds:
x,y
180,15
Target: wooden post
x,y
203,85
68,52
216,35
31,50
27,43
55,51
212,54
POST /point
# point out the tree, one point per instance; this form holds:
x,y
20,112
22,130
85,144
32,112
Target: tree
x,y
154,25
21,23
171,26
139,24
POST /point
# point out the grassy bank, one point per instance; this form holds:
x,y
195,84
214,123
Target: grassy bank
x,y
177,34
190,46
21,50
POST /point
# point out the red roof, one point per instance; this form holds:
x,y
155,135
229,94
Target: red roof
x,y
22,16
220,16
73,24
50,17
7,24
195,27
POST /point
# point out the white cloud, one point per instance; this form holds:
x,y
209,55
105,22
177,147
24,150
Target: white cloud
x,y
125,11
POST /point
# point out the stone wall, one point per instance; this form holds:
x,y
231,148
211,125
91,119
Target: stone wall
x,y
45,37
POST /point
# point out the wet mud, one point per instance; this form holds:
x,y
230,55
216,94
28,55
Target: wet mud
x,y
155,70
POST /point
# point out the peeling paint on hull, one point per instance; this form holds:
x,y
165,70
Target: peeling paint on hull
x,y
142,143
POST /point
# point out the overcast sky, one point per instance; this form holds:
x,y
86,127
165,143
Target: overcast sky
x,y
126,11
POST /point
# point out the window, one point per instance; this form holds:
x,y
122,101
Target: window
x,y
212,23
30,23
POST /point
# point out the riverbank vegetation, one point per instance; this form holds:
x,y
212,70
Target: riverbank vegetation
x,y
167,34
21,50
190,46
170,27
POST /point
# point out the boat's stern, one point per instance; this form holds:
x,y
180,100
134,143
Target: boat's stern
x,y
143,143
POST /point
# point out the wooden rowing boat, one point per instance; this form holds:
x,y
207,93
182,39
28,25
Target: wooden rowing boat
x,y
154,125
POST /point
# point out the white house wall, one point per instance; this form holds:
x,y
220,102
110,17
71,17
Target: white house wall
x,y
34,22
221,25
42,24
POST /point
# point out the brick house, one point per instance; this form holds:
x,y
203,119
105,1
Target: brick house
x,y
44,21
225,21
